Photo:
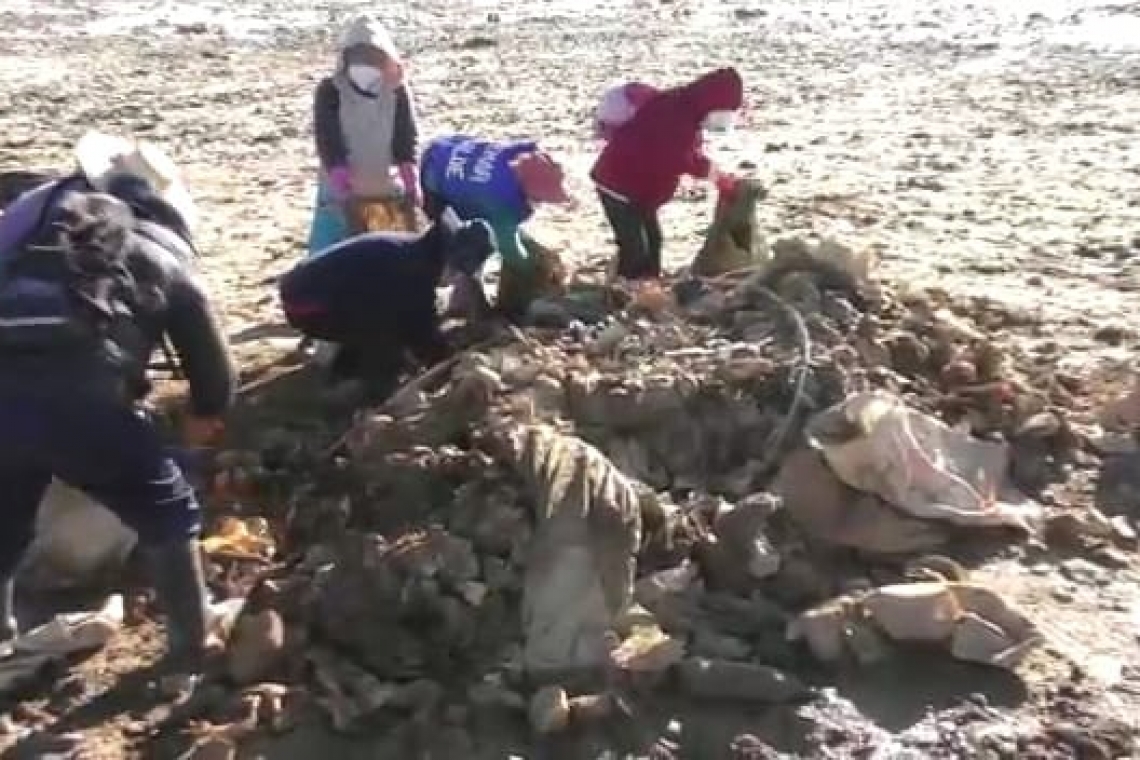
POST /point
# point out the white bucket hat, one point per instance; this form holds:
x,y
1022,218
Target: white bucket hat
x,y
101,156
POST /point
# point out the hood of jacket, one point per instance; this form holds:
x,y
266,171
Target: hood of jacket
x,y
365,30
720,90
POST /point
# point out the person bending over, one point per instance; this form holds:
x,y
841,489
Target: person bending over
x,y
374,296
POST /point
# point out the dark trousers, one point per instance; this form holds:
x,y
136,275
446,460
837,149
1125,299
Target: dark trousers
x,y
638,235
372,349
99,446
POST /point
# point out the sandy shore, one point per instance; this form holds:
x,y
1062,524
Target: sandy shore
x,y
985,148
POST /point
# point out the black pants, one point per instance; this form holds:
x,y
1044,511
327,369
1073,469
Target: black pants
x,y
375,351
638,236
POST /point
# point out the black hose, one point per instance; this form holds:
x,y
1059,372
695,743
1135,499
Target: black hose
x,y
802,370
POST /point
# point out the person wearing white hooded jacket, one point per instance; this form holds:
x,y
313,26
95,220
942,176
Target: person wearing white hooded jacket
x,y
366,132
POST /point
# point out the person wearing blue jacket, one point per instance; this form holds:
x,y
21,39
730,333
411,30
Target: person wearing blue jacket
x,y
500,182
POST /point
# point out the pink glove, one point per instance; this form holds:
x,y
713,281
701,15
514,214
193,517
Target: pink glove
x,y
410,182
340,183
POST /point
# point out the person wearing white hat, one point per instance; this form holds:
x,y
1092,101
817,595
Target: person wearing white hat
x,y
366,134
95,270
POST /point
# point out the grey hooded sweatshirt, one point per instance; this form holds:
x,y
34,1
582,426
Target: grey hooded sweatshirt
x,y
367,133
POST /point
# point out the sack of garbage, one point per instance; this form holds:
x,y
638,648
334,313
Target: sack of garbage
x,y
77,540
580,565
874,443
733,241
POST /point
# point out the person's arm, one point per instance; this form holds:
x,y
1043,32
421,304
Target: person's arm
x,y
405,138
201,346
505,226
331,148
405,133
697,164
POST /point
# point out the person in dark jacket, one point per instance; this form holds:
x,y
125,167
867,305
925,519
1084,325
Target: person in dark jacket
x,y
374,296
641,165
366,132
88,288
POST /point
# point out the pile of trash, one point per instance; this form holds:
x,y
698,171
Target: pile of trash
x,y
725,487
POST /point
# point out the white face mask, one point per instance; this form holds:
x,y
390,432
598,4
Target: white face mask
x,y
368,78
720,121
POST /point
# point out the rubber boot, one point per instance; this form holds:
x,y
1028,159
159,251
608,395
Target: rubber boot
x,y
180,584
8,628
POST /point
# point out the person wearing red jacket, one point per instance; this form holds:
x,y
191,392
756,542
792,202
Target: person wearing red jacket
x,y
641,166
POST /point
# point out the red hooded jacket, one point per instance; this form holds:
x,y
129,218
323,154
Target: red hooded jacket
x,y
646,156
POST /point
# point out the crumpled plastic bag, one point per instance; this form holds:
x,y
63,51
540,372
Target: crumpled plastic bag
x,y
874,443
77,540
70,632
974,623
828,510
65,634
580,565
733,242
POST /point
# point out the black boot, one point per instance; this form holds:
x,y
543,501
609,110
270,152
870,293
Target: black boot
x,y
180,584
8,628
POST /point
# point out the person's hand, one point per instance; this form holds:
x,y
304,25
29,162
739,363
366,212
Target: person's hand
x,y
340,183
201,431
724,181
411,184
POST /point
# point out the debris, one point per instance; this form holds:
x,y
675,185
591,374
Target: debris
x,y
236,538
831,511
71,632
918,464
552,711
579,576
974,623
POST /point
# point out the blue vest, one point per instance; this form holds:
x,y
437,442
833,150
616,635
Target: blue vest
x,y
474,177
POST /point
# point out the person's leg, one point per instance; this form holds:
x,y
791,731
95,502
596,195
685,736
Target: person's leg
x,y
382,359
23,490
434,204
116,456
629,231
655,239
23,481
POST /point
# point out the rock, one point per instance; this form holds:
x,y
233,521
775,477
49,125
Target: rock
x,y
417,696
978,640
651,590
914,611
1083,572
719,679
745,552
709,643
255,647
549,710
824,631
492,694
473,592
648,650
828,510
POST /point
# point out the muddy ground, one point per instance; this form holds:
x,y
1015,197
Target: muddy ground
x,y
987,148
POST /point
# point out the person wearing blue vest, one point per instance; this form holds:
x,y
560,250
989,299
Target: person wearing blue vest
x,y
500,182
